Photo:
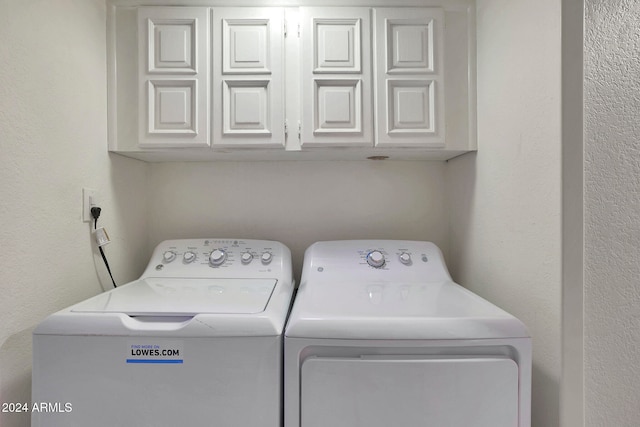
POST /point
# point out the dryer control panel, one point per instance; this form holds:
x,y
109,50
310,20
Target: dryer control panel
x,y
191,258
377,260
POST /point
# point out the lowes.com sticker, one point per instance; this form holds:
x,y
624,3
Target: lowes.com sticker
x,y
155,353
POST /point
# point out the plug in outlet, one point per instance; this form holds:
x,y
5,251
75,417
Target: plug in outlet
x,y
89,200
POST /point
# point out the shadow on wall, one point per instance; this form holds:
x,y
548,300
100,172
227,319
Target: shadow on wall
x,y
486,257
461,184
127,216
540,380
15,377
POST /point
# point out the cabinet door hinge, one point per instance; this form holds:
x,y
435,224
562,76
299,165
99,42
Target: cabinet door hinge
x,y
299,131
285,27
286,129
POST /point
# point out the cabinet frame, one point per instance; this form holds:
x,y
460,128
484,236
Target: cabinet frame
x,y
459,128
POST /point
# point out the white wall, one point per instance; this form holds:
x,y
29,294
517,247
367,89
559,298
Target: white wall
x,y
612,212
504,210
53,143
505,201
299,203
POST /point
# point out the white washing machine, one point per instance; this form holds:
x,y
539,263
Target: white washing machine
x,y
380,335
196,341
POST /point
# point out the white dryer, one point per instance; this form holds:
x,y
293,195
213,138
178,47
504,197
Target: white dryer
x,y
196,341
380,335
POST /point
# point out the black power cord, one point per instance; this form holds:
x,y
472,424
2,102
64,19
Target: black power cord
x,y
95,213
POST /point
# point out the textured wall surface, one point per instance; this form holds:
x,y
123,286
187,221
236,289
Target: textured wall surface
x,y
52,143
299,203
612,212
505,201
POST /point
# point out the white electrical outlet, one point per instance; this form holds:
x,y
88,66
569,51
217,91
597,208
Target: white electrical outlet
x,y
89,200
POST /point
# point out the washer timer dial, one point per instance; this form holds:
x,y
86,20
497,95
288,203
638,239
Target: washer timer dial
x,y
375,259
217,257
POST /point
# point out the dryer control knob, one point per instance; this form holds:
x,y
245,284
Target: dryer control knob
x,y
217,257
168,256
189,257
266,257
405,258
246,257
375,259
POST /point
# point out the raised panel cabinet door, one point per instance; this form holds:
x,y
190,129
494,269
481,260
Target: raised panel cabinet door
x,y
409,77
173,77
336,77
248,77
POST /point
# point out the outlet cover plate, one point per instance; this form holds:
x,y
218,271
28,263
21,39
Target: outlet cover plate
x,y
89,199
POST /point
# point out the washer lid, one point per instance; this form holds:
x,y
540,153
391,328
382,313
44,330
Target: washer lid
x,y
384,310
183,297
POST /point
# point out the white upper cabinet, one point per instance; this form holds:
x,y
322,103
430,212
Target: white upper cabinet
x,y
278,83
409,70
248,76
173,76
336,76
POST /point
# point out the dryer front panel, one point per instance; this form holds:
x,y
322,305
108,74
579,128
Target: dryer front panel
x,y
409,391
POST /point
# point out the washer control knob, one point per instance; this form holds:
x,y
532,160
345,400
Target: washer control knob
x,y
405,258
168,256
217,257
375,259
189,257
246,257
266,257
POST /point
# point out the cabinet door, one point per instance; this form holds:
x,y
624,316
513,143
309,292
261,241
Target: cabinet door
x,y
173,76
409,77
336,76
248,75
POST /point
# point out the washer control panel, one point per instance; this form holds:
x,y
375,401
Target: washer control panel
x,y
218,258
383,257
366,260
377,258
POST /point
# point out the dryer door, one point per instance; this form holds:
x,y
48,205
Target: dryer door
x,y
383,391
